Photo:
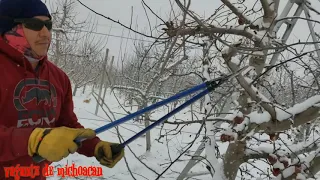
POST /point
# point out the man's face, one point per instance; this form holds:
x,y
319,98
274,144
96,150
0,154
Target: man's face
x,y
39,40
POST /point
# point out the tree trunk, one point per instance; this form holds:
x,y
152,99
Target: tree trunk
x,y
148,134
104,94
58,53
233,159
84,89
75,89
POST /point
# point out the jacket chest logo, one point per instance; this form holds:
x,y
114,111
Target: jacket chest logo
x,y
35,101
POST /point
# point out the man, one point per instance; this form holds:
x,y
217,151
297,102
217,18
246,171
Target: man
x,y
36,107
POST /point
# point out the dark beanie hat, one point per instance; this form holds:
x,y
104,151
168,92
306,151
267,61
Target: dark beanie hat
x,y
13,9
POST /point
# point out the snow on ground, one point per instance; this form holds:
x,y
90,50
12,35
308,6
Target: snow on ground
x,y
158,158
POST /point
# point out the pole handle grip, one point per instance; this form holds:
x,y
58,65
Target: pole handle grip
x,y
116,148
37,158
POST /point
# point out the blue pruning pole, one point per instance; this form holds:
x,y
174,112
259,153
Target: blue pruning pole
x,y
180,95
151,107
165,117
208,86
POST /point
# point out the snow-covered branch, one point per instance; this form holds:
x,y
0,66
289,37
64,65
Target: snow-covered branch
x,y
209,30
301,167
269,9
173,65
242,18
285,118
129,89
261,121
264,150
254,95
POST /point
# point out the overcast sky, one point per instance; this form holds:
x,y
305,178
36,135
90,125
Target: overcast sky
x,y
121,10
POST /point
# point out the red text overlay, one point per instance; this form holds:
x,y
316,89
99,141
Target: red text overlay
x,y
67,171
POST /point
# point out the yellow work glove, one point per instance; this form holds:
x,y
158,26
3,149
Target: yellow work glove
x,y
56,143
105,156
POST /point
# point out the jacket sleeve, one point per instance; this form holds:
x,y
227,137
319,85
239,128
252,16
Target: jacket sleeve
x,y
69,119
13,142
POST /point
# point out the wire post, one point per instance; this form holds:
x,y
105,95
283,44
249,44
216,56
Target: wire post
x,y
105,88
290,25
313,34
102,81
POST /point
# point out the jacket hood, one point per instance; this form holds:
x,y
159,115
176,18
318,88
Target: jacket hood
x,y
18,57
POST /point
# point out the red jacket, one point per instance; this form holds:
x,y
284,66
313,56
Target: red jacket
x,y
25,103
